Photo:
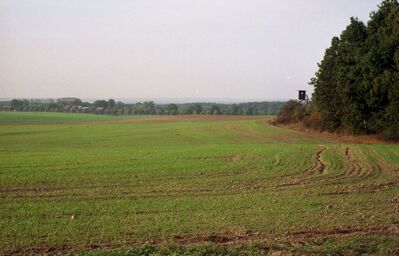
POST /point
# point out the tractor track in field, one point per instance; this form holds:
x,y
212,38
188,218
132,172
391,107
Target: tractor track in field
x,y
358,168
362,189
318,167
357,172
287,242
353,168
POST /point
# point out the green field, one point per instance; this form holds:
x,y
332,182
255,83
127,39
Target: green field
x,y
190,185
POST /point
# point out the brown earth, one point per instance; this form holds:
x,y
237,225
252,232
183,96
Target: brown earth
x,y
282,242
339,137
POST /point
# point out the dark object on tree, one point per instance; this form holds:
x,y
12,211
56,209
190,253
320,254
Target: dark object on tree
x,y
302,95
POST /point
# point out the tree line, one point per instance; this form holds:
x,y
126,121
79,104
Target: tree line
x,y
356,88
112,107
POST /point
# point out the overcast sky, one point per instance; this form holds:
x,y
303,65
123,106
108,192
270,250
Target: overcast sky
x,y
231,49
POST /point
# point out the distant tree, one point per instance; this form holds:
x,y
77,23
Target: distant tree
x,y
235,109
111,103
171,109
186,109
100,103
215,110
149,107
231,109
250,111
110,107
197,109
17,104
85,104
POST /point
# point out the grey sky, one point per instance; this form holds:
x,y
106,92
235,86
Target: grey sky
x,y
235,49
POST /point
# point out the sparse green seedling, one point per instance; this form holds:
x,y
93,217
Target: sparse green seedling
x,y
224,186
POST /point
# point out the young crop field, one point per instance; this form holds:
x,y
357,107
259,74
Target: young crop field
x,y
93,185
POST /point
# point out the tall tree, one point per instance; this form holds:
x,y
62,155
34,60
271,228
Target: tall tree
x,y
325,95
357,84
349,77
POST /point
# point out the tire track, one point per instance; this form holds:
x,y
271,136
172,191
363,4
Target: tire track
x,y
318,167
361,176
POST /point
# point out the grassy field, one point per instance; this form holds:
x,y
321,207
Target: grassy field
x,y
88,184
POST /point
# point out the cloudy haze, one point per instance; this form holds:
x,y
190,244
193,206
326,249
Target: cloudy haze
x,y
241,50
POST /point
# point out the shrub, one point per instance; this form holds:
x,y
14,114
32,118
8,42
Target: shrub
x,y
292,112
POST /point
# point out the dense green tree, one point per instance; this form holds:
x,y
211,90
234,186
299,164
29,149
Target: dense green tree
x,y
111,103
197,109
356,86
326,95
215,110
187,109
349,77
110,107
148,107
16,104
251,111
100,104
171,109
381,66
